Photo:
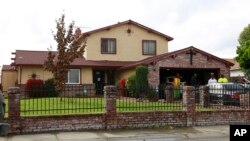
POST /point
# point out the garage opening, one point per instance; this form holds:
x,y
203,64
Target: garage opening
x,y
167,75
203,74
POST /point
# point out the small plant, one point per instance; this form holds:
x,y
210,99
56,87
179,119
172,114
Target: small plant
x,y
33,75
130,85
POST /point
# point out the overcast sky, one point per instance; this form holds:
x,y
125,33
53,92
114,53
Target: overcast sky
x,y
210,25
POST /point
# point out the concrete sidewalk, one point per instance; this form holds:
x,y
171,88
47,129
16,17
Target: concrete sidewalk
x,y
197,133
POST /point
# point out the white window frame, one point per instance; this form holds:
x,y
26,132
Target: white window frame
x,y
67,81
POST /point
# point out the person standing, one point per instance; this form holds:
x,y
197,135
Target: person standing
x,y
212,79
2,104
194,81
222,79
176,84
195,84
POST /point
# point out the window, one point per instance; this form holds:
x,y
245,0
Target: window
x,y
73,76
108,46
149,47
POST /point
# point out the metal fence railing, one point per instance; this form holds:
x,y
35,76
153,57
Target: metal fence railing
x,y
225,96
72,100
78,99
134,100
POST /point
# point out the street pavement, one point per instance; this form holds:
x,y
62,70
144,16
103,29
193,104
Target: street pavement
x,y
196,133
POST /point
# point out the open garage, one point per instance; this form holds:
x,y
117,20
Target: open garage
x,y
167,73
186,62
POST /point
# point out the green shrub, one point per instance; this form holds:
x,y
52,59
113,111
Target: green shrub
x,y
49,88
141,81
130,85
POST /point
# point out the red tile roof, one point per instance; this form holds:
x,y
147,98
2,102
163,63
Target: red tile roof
x,y
26,57
8,68
37,58
133,23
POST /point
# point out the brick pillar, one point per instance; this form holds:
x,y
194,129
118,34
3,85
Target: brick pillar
x,y
245,100
204,96
169,92
189,104
14,118
110,93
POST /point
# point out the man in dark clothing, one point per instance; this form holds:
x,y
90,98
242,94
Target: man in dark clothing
x,y
194,81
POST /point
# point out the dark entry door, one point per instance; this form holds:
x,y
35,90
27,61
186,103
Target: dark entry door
x,y
99,80
110,77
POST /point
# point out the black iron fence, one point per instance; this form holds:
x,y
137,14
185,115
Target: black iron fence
x,y
153,99
74,99
223,96
78,99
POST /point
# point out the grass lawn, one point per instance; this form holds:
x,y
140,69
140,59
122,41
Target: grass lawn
x,y
65,106
62,106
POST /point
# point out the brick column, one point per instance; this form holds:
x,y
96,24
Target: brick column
x,y
110,93
245,100
189,104
14,118
169,92
204,96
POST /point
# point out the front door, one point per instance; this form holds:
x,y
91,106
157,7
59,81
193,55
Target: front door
x,y
99,80
110,77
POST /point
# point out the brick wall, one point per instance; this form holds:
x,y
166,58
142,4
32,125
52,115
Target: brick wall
x,y
61,123
222,117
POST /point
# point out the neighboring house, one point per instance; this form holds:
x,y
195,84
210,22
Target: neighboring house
x,y
113,52
235,70
8,77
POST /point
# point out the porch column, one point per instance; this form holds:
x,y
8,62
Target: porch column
x,y
153,75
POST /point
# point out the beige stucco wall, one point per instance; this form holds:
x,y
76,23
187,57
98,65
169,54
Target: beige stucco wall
x,y
9,79
26,73
128,46
86,74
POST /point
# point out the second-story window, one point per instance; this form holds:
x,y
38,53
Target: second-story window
x,y
108,46
149,47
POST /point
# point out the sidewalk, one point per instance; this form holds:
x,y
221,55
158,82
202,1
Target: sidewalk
x,y
197,133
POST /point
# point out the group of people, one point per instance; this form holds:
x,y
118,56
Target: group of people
x,y
194,82
212,79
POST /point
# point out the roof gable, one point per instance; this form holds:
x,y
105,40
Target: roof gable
x,y
129,22
173,54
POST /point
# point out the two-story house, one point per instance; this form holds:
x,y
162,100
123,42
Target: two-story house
x,y
113,52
